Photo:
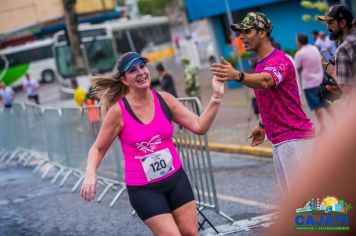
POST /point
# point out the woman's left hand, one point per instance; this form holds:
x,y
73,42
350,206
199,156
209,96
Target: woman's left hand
x,y
218,88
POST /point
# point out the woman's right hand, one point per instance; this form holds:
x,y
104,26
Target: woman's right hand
x,y
88,190
218,87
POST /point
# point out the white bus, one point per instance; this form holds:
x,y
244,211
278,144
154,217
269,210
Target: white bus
x,y
33,58
103,43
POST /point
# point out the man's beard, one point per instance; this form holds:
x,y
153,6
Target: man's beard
x,y
335,35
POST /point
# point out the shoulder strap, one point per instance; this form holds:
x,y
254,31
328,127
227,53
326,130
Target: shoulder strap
x,y
167,112
129,110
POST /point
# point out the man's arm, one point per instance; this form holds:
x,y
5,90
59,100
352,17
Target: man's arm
x,y
225,71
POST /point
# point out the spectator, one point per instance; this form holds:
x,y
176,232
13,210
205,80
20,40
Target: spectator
x,y
339,23
79,95
7,95
309,65
166,80
315,35
31,87
275,86
176,40
324,43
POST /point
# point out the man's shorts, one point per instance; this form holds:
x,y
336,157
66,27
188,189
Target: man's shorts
x,y
161,197
314,99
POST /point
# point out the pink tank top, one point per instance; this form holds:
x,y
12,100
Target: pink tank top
x,y
148,149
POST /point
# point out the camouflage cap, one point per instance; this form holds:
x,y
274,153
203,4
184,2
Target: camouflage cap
x,y
255,20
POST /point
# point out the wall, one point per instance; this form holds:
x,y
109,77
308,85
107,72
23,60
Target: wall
x,y
287,22
20,14
199,9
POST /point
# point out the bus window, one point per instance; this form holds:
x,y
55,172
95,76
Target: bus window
x,y
65,65
121,41
28,56
153,41
100,55
33,58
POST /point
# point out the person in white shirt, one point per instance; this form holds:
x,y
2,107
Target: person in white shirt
x,y
7,95
31,87
309,65
324,43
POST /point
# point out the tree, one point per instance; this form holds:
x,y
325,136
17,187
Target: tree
x,y
322,6
73,36
347,207
153,7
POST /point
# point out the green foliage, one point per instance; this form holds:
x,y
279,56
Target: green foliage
x,y
291,52
321,6
233,58
306,17
306,4
152,7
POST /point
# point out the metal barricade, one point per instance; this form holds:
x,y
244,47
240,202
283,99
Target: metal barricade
x,y
7,141
36,131
110,172
194,151
64,136
20,134
14,135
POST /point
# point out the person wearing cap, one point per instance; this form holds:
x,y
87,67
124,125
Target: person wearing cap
x,y
275,86
158,187
339,24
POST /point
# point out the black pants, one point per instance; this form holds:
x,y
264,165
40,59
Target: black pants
x,y
35,98
161,197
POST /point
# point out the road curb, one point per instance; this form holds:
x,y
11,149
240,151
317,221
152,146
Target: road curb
x,y
241,149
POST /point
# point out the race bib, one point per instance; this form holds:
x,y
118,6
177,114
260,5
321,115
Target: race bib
x,y
157,164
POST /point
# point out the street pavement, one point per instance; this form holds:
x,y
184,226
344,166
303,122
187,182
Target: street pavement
x,y
246,187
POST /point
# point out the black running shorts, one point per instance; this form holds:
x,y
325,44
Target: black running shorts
x,y
161,197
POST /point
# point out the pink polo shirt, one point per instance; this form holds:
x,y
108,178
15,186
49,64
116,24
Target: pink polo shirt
x,y
308,59
280,106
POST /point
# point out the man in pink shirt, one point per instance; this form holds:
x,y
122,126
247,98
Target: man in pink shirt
x,y
274,83
309,64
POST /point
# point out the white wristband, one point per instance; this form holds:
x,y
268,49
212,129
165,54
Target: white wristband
x,y
215,100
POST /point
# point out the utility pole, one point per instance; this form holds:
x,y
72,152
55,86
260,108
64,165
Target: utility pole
x,y
186,25
74,36
231,33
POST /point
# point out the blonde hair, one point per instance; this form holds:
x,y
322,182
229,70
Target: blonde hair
x,y
108,89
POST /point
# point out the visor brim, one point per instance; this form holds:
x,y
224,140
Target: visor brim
x,y
325,18
239,27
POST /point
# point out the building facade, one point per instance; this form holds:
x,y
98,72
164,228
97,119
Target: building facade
x,y
286,17
17,15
